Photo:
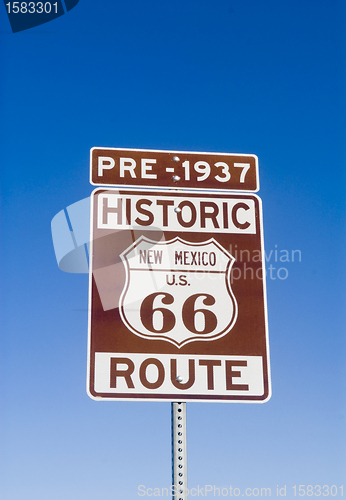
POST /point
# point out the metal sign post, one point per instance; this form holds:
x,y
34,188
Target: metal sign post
x,y
179,461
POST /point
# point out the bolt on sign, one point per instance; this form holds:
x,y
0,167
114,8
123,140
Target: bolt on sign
x,y
173,169
177,296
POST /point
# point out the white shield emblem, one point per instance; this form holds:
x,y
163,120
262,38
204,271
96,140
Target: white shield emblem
x,y
178,291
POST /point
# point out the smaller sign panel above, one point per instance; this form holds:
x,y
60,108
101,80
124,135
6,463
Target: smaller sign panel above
x,y
173,169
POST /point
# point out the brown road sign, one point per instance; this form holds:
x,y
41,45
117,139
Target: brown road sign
x,y
173,169
177,297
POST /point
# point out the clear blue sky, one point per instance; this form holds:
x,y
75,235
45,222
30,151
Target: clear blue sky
x,y
264,77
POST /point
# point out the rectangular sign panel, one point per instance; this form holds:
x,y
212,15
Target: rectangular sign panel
x,y
173,169
177,297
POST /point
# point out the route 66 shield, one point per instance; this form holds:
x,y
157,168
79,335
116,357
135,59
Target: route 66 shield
x,y
178,291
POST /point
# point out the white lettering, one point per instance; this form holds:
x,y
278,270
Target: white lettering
x,y
127,164
141,490
105,163
145,167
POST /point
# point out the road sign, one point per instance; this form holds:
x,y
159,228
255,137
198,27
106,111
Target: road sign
x,y
173,169
177,297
